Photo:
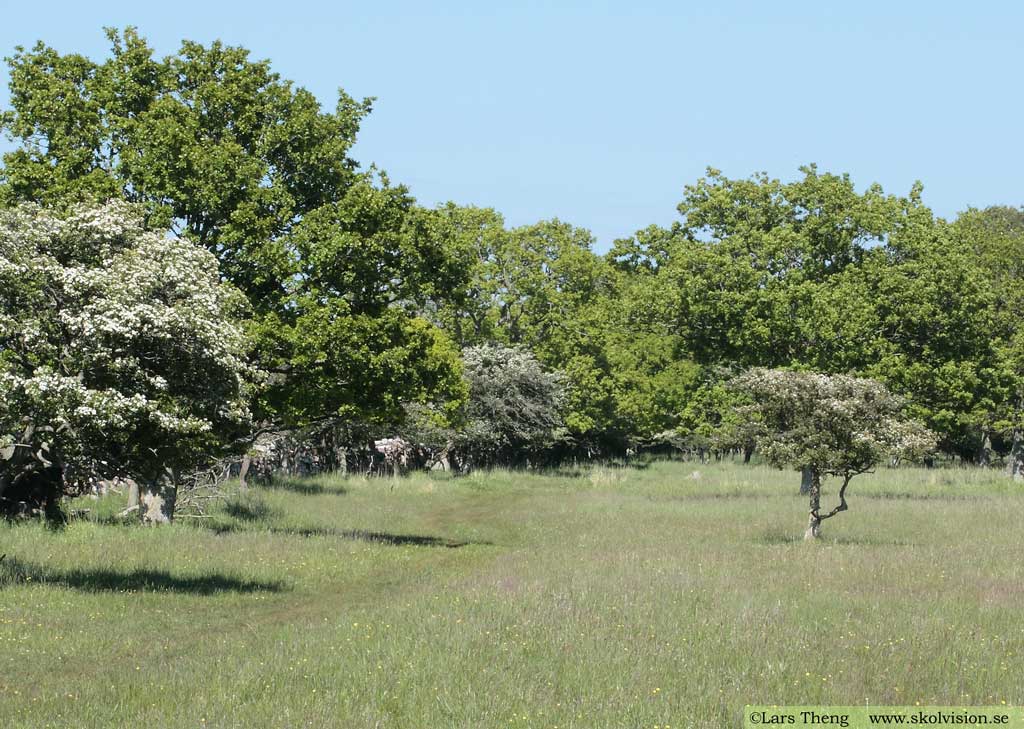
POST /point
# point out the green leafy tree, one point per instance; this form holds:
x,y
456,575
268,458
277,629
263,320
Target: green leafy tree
x,y
540,287
920,315
335,261
995,237
739,276
651,383
479,310
814,274
710,420
830,425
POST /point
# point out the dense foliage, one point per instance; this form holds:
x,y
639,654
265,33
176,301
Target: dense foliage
x,y
334,260
121,354
362,309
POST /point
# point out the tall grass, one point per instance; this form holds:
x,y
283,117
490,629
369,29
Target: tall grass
x,y
668,595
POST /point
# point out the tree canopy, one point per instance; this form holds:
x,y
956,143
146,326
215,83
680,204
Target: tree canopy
x,y
332,258
514,411
350,309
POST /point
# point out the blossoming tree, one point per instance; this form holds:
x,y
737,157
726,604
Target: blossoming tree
x,y
515,407
830,425
119,353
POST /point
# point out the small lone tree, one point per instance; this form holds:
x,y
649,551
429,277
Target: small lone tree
x,y
830,425
120,353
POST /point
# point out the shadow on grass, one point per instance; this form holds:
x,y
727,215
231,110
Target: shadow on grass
x,y
359,535
581,471
779,538
248,510
300,486
139,580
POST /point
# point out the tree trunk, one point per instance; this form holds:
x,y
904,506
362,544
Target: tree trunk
x,y
133,493
748,451
806,477
157,497
1015,467
16,455
243,471
984,456
814,521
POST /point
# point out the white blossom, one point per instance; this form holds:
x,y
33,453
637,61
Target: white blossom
x,y
124,342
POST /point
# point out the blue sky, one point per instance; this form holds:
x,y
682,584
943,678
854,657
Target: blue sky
x,y
599,113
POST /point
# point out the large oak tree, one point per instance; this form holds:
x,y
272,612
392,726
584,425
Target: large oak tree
x,y
334,259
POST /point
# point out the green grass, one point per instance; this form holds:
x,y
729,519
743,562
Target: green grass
x,y
607,597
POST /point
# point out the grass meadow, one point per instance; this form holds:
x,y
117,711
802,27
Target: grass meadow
x,y
661,596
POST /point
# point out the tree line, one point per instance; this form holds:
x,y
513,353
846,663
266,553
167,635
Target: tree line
x,y
192,261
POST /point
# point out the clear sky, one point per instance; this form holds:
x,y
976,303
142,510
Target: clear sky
x,y
599,113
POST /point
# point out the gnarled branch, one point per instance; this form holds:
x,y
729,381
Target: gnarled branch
x,y
842,499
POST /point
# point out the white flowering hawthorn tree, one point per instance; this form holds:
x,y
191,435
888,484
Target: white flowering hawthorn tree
x,y
120,353
515,406
830,425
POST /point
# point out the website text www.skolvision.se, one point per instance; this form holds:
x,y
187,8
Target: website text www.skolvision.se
x,y
868,717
